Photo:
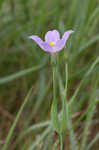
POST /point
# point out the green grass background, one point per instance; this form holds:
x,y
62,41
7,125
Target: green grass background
x,y
24,65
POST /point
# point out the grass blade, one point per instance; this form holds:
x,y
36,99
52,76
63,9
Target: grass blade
x,y
42,136
15,122
19,74
89,116
80,84
93,142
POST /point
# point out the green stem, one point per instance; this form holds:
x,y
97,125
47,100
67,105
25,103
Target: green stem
x,y
66,72
64,109
15,122
64,104
61,142
54,113
68,115
54,84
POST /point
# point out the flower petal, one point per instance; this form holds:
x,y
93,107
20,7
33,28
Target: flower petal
x,y
52,36
66,34
45,46
61,43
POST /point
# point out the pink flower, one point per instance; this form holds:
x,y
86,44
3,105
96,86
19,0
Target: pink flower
x,y
52,43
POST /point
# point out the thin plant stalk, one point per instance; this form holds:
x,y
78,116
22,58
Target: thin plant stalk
x,y
61,141
64,109
64,102
65,91
54,85
54,113
67,120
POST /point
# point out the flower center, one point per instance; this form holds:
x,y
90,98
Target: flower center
x,y
51,43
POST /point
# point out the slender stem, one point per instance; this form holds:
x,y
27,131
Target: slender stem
x,y
66,72
64,110
54,84
61,142
54,113
68,115
66,104
65,91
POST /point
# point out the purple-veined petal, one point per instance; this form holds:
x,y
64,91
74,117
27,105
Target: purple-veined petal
x,y
60,44
45,46
52,36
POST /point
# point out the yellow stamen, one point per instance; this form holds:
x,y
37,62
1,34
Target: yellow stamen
x,y
51,43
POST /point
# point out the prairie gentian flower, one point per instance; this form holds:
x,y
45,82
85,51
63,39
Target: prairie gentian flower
x,y
52,43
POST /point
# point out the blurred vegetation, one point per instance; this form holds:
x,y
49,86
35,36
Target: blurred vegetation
x,y
23,65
